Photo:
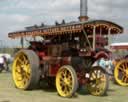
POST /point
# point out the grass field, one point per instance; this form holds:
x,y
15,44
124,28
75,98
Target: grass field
x,y
8,93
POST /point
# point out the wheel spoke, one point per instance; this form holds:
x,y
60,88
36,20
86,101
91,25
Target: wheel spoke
x,y
124,66
27,75
65,90
69,77
26,62
24,81
99,74
93,75
125,80
24,58
65,73
96,72
26,68
123,71
20,61
18,70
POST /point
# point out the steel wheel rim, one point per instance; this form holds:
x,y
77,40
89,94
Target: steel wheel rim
x,y
64,82
121,73
21,71
97,82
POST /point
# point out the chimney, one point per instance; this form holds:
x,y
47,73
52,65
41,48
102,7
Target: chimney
x,y
83,10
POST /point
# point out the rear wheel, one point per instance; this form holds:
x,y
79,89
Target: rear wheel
x,y
66,81
121,73
26,70
98,84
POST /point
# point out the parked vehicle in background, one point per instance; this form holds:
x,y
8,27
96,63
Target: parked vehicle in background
x,y
120,63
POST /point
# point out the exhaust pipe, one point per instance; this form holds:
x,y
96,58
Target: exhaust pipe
x,y
83,10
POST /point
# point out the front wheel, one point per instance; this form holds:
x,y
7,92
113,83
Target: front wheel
x,y
66,81
98,82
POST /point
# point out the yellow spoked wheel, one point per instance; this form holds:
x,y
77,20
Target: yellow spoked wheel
x,y
121,72
98,84
66,81
25,69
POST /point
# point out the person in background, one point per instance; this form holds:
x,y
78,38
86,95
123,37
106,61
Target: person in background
x,y
106,64
1,64
109,66
6,67
102,63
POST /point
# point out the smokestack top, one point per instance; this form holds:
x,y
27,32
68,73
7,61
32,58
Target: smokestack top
x,y
83,10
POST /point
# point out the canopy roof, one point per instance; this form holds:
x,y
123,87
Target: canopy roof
x,y
67,28
119,45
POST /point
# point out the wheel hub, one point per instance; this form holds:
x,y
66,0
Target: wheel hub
x,y
97,81
66,81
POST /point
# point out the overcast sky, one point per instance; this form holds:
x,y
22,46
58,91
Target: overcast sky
x,y
17,14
